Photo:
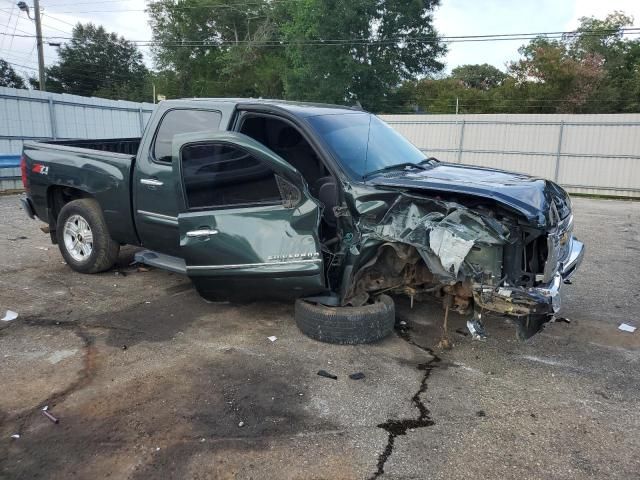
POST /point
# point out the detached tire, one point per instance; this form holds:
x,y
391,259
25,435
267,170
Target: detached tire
x,y
346,325
83,237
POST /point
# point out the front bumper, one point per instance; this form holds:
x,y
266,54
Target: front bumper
x,y
542,300
552,292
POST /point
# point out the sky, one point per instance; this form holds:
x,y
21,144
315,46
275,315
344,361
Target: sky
x,y
453,17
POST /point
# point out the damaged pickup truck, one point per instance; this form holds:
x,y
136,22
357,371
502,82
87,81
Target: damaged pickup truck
x,y
325,204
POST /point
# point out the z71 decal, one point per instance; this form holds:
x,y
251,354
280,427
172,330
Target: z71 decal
x,y
41,169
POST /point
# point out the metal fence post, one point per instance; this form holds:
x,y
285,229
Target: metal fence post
x,y
52,119
141,120
461,142
559,151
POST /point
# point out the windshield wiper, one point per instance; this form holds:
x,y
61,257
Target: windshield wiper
x,y
431,160
403,166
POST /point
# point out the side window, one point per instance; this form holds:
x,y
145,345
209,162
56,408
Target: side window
x,y
218,176
176,122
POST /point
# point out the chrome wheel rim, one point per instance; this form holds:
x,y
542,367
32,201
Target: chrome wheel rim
x,y
78,238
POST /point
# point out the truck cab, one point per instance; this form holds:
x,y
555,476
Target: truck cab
x,y
233,189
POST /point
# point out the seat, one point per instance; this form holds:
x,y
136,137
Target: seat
x,y
326,191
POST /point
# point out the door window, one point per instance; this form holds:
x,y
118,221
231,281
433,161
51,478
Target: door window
x,y
180,121
223,176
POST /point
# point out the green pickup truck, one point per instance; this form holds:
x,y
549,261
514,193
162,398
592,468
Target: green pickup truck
x,y
324,204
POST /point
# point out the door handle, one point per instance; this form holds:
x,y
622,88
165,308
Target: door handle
x,y
151,181
204,232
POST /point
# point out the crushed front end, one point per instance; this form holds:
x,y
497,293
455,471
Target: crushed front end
x,y
478,256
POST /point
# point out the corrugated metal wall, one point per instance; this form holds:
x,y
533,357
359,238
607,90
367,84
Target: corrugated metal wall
x,y
595,154
31,114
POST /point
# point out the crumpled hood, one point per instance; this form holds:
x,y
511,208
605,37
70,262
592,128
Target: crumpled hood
x,y
530,196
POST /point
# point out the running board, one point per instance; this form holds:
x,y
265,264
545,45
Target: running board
x,y
160,260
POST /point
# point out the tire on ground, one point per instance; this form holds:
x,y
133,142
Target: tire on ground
x,y
346,325
104,252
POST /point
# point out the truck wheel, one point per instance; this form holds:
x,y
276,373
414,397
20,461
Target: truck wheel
x,y
346,325
83,237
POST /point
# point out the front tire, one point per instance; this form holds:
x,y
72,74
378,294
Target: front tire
x,y
346,325
83,237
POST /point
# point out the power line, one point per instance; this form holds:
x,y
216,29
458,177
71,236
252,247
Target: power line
x,y
368,41
9,21
45,14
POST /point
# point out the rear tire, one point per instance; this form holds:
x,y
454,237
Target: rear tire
x,y
346,325
83,237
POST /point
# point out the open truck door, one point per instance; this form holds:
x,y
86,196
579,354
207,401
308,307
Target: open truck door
x,y
247,222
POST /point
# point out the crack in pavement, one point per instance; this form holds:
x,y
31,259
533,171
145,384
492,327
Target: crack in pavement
x,y
396,428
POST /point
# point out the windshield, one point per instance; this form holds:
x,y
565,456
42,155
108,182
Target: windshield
x,y
363,143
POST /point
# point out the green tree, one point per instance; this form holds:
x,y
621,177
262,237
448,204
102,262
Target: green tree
x,y
9,77
215,48
315,50
95,62
554,79
358,51
618,91
483,77
595,69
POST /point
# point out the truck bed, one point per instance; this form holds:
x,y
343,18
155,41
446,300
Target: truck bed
x,y
103,173
128,146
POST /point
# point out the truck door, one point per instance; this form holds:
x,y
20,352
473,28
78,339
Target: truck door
x,y
155,197
247,223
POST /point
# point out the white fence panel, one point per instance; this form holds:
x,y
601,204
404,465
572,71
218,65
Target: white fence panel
x,y
30,114
596,154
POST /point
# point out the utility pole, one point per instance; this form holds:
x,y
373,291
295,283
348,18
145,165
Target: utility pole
x,y
36,7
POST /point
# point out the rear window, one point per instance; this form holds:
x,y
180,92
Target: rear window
x,y
176,122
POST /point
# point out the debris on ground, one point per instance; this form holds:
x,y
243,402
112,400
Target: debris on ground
x,y
324,373
45,412
21,237
241,424
562,319
481,413
273,338
43,248
356,376
15,436
10,315
142,269
625,327
476,329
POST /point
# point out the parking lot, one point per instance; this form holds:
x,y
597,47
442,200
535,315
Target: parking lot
x,y
150,381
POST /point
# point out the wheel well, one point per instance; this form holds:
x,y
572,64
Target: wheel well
x,y
57,197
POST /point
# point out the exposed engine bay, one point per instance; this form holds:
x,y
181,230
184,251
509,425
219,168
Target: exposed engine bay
x,y
477,257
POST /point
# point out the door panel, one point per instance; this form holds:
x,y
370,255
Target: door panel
x,y
157,208
155,181
248,250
